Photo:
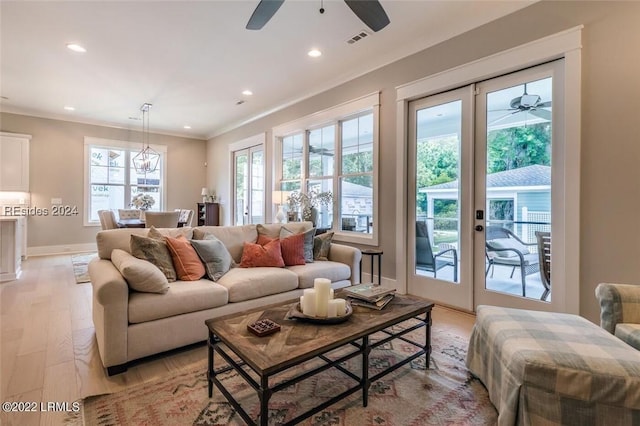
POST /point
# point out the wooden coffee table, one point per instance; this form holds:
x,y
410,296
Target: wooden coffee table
x,y
298,342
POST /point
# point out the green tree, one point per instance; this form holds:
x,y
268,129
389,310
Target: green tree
x,y
517,147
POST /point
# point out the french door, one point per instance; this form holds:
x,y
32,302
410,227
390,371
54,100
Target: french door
x,y
248,187
481,179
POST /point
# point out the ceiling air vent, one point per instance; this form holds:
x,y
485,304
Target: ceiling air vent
x,y
362,34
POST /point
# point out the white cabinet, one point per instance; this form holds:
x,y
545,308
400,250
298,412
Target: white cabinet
x,y
12,247
14,162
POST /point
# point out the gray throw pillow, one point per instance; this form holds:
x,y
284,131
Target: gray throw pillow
x,y
308,241
215,256
156,252
321,246
141,275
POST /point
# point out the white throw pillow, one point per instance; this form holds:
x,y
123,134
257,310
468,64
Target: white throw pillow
x,y
141,275
508,243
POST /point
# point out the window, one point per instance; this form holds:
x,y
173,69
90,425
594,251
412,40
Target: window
x,y
336,151
111,180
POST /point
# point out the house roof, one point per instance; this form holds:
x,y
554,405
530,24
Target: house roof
x,y
535,175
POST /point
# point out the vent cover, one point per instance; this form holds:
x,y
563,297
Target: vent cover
x,y
362,34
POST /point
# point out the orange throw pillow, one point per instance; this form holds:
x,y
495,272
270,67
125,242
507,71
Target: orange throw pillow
x,y
254,255
188,265
292,249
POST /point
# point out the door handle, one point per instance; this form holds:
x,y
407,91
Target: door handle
x,y
479,228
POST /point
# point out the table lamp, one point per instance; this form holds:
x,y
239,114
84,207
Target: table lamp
x,y
205,194
276,198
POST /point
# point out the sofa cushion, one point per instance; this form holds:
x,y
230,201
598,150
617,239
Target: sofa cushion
x,y
188,265
215,256
252,283
322,245
270,231
160,233
308,240
334,271
141,275
183,297
256,255
154,251
233,237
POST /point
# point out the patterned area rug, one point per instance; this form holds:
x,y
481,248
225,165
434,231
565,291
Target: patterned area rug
x,y
80,266
445,394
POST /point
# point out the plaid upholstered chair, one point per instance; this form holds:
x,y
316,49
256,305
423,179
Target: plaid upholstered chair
x,y
620,311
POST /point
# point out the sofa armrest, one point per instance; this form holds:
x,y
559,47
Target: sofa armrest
x,y
619,303
110,311
350,256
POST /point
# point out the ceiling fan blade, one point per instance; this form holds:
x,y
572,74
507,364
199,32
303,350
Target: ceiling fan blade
x,y
542,113
370,12
502,118
546,104
264,11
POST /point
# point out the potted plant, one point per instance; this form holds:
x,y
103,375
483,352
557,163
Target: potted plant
x,y
309,203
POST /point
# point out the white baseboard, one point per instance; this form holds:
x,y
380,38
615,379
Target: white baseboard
x,y
61,249
386,282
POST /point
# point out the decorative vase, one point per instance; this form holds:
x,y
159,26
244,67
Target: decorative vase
x,y
314,216
142,214
292,216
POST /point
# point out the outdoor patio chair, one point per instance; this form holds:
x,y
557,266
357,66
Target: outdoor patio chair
x,y
426,260
544,257
503,247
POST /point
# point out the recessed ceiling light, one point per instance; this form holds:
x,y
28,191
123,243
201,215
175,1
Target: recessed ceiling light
x,y
69,108
314,53
247,92
186,126
76,47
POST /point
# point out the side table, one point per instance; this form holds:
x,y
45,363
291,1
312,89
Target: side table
x,y
373,253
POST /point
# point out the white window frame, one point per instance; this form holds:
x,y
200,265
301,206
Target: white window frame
x,y
133,148
323,118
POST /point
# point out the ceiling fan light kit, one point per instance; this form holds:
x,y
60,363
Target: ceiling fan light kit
x,y
370,12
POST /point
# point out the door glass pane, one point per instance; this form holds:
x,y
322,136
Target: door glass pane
x,y
241,189
518,186
257,187
438,137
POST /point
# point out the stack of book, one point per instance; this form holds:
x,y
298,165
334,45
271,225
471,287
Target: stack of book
x,y
369,295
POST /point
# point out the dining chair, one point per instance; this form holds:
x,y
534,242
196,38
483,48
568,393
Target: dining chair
x,y
129,213
107,219
186,216
162,219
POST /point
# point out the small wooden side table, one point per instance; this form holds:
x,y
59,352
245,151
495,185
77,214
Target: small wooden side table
x,y
373,253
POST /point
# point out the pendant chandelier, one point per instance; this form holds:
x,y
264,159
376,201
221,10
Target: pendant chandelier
x,y
146,161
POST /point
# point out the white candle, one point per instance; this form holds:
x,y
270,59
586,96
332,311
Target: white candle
x,y
309,299
341,307
322,287
332,309
331,294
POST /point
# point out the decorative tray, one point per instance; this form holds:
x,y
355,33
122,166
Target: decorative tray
x,y
263,327
296,313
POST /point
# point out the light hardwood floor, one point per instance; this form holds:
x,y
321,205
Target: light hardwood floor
x,y
48,349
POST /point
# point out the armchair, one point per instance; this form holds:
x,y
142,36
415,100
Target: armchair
x,y
503,247
620,311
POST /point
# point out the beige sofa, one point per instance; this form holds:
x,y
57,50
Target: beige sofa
x,y
130,325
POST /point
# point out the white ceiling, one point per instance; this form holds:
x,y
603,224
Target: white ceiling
x,y
192,59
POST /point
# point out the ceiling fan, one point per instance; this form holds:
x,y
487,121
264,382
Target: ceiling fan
x,y
370,12
526,103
